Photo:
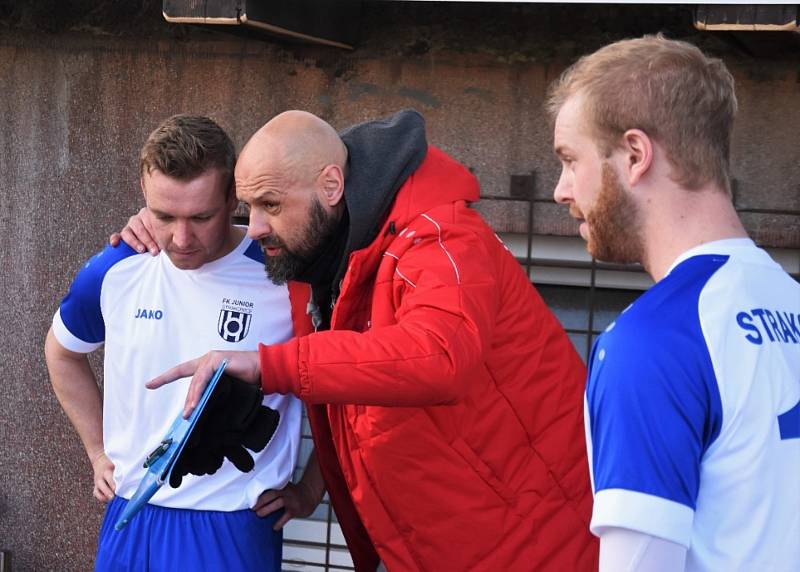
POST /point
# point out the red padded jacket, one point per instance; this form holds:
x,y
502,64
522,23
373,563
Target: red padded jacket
x,y
446,401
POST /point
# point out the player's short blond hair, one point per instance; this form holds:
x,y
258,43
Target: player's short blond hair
x,y
186,146
669,89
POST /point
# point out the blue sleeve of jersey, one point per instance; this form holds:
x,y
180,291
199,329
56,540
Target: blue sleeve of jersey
x,y
80,309
648,421
254,252
653,399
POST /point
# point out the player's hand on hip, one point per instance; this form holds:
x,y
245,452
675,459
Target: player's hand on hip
x,y
297,500
137,233
104,486
244,365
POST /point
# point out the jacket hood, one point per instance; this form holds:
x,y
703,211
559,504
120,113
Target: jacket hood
x,y
385,156
381,156
390,154
439,180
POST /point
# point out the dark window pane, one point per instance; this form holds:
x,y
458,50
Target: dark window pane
x,y
608,304
570,304
579,341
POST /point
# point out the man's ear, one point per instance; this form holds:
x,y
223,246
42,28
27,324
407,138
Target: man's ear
x,y
638,154
141,186
331,181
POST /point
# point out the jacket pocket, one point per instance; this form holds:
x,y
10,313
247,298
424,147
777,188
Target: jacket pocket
x,y
487,475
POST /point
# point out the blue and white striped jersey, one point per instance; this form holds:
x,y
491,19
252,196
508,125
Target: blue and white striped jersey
x,y
693,412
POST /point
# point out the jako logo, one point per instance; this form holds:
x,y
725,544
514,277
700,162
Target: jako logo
x,y
145,314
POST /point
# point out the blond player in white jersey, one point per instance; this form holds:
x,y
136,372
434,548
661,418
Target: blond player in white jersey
x,y
206,289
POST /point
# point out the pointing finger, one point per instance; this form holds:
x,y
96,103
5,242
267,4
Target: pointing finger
x,y
181,370
202,375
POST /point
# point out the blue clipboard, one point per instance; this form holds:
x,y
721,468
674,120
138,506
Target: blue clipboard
x,y
159,463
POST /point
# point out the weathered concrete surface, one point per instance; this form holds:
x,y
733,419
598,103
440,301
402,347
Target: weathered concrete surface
x,y
80,90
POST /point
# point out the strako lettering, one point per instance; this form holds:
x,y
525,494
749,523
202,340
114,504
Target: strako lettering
x,y
775,326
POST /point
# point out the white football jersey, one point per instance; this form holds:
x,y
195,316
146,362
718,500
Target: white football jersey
x,y
693,412
151,316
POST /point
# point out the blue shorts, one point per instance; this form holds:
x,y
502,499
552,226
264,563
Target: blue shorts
x,y
169,539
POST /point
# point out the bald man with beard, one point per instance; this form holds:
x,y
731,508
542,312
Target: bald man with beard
x,y
444,397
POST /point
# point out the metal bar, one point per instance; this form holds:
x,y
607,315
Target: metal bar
x,y
592,290
516,199
317,565
749,210
5,561
576,264
328,537
529,249
584,265
313,544
768,211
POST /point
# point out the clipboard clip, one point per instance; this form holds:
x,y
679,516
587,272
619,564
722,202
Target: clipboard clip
x,y
156,454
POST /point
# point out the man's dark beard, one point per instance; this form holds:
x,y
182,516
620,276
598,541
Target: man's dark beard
x,y
614,223
289,264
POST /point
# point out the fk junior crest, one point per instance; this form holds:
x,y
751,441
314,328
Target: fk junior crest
x,y
233,326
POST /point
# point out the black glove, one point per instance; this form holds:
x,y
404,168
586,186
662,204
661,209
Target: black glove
x,y
233,419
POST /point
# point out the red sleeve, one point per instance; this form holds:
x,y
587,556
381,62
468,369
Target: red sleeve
x,y
445,296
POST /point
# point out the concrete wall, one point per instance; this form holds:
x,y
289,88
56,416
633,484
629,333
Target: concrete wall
x,y
79,92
